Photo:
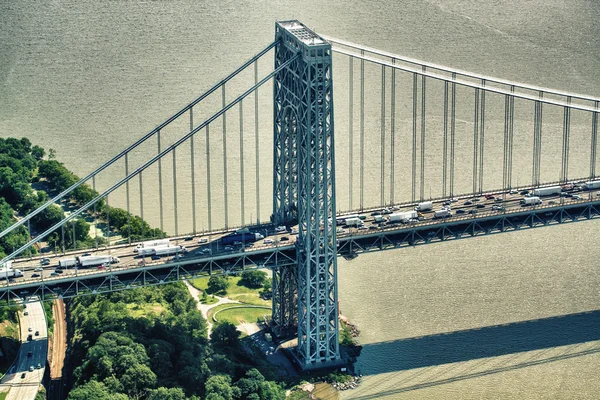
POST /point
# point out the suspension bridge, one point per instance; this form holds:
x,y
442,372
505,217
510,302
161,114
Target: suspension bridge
x,y
418,137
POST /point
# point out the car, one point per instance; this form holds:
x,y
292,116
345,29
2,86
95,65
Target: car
x,y
31,368
228,248
577,197
29,337
29,354
38,366
473,212
524,192
58,271
35,275
203,240
86,254
284,239
513,191
37,333
280,228
480,205
39,269
497,208
155,257
446,203
45,261
373,227
294,232
461,211
205,251
23,375
26,313
268,241
237,243
188,238
386,211
552,202
489,196
468,203
362,228
474,199
373,214
103,266
30,329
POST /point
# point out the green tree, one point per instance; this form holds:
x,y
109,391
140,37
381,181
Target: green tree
x,y
219,385
163,393
218,284
96,391
225,334
38,153
253,278
137,379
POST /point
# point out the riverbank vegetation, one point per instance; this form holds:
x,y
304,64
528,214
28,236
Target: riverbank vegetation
x,y
151,343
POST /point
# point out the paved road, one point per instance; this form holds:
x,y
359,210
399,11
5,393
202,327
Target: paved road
x,y
23,382
462,207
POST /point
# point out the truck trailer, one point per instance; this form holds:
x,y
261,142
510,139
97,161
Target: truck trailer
x,y
66,263
248,237
547,191
152,243
425,206
354,221
403,216
168,250
591,185
531,201
445,213
6,273
91,261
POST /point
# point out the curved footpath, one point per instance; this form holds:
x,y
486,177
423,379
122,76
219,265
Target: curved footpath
x,y
204,308
22,383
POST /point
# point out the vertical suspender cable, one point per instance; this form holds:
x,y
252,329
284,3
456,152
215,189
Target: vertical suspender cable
x,y
256,143
127,198
414,141
362,130
160,188
175,191
141,202
242,163
511,132
565,149
208,196
350,128
393,133
452,134
475,139
505,184
481,136
423,92
95,215
445,143
193,170
382,150
225,159
594,142
107,222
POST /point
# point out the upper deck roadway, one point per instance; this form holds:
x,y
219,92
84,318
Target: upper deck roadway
x,y
472,215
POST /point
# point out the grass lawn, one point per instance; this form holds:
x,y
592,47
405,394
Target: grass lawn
x,y
138,311
238,316
3,395
235,291
209,300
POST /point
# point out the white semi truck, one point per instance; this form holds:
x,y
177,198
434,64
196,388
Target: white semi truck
x,y
67,262
403,216
590,185
531,201
7,272
425,206
91,261
354,221
152,243
167,250
547,191
445,213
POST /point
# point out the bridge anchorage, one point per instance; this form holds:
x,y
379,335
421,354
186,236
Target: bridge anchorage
x,y
306,294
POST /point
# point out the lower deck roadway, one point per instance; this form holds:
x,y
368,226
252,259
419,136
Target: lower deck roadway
x,y
136,272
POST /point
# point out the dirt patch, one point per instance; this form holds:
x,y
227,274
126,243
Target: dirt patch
x,y
59,342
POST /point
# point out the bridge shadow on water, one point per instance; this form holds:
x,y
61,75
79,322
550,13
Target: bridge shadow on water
x,y
433,351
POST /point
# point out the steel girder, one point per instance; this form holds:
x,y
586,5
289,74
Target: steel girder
x,y
285,294
304,188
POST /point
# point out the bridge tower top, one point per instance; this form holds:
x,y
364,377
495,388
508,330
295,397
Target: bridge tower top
x,y
297,37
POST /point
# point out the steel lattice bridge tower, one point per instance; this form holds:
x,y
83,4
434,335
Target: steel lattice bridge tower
x,y
304,193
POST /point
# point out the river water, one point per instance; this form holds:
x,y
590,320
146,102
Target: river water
x,y
463,319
